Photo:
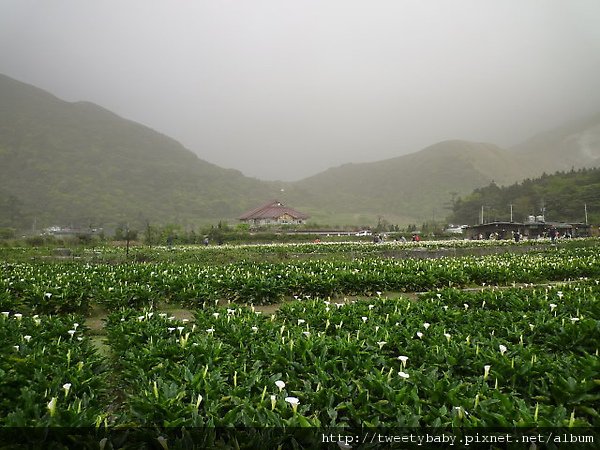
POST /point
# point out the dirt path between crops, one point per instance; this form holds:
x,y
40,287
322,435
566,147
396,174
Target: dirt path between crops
x,y
97,318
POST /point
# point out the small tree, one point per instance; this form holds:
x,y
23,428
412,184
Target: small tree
x,y
151,234
130,235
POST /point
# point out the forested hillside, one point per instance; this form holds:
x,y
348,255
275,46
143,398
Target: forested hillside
x,y
78,164
564,196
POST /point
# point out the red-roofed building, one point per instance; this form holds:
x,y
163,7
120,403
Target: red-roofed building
x,y
273,213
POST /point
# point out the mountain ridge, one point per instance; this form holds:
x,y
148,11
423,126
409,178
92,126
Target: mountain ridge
x,y
423,182
77,162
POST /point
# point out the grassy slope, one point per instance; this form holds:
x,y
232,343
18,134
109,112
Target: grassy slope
x,y
420,186
416,186
76,162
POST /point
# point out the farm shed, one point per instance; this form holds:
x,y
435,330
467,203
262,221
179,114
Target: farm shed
x,y
531,229
273,213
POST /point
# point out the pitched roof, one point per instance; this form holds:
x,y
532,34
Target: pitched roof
x,y
272,210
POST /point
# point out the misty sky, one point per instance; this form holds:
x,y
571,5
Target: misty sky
x,y
283,89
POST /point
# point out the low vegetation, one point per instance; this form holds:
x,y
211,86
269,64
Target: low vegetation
x,y
522,354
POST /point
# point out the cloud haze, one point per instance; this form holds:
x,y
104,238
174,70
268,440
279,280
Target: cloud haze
x,y
282,89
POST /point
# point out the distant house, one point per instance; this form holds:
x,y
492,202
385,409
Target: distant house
x,y
273,213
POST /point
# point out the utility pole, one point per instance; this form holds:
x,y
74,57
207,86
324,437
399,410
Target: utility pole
x,y
543,209
511,213
585,209
482,214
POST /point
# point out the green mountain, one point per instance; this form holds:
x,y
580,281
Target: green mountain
x,y
77,163
423,185
564,197
413,188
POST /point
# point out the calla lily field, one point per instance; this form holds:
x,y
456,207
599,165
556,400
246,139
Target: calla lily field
x,y
356,340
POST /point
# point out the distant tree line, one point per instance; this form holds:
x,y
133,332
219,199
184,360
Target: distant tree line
x,y
563,196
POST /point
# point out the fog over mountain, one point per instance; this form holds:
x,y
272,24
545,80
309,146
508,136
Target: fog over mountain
x,y
77,163
286,89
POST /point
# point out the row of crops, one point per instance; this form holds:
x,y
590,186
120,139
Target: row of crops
x,y
50,373
73,287
525,357
252,250
274,252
